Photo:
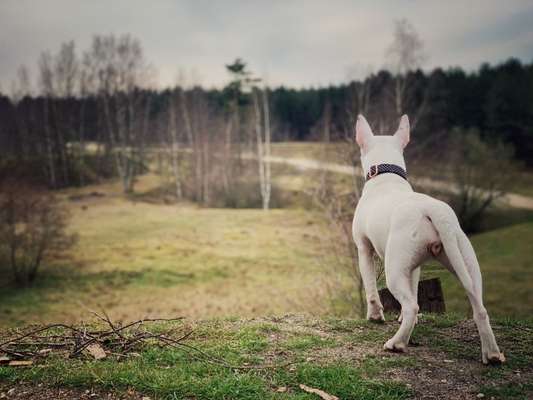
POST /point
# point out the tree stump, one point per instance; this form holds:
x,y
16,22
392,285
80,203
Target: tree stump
x,y
430,298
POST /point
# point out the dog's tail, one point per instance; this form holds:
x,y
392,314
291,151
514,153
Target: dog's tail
x,y
457,246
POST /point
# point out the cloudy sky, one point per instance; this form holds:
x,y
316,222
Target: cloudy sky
x,y
291,42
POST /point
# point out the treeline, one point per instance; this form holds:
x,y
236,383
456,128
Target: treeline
x,y
94,114
96,117
497,100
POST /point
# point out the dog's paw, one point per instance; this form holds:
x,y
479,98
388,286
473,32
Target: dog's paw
x,y
495,358
376,317
395,347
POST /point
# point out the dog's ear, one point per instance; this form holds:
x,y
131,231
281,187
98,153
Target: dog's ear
x,y
403,131
363,133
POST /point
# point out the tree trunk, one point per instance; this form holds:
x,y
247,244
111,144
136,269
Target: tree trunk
x,y
259,142
268,179
174,148
81,138
49,150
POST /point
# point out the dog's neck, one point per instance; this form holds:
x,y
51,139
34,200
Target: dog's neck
x,y
386,182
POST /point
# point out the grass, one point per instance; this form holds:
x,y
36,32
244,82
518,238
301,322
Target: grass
x,y
139,259
320,353
170,373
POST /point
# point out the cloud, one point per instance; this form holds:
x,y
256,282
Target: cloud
x,y
296,43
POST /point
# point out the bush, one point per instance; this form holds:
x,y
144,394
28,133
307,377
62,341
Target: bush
x,y
246,194
483,172
32,227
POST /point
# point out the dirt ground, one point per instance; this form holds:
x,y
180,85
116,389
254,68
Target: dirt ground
x,y
443,359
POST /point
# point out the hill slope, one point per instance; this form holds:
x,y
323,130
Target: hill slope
x,y
268,358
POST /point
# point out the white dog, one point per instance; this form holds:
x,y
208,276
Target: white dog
x,y
405,229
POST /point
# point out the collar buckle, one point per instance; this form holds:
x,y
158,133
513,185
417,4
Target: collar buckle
x,y
373,174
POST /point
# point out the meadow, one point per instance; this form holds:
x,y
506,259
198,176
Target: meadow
x,y
137,257
264,303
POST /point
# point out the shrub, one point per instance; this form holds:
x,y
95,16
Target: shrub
x,y
32,227
483,171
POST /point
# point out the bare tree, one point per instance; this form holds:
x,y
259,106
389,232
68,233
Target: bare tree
x,y
21,87
359,95
86,82
66,70
47,89
263,136
174,146
65,74
340,256
404,55
120,70
204,124
267,187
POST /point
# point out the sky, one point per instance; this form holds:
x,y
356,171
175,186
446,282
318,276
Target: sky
x,y
294,43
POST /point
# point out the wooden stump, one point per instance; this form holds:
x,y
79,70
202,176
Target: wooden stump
x,y
430,298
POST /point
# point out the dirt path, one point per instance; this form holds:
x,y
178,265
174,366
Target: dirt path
x,y
512,199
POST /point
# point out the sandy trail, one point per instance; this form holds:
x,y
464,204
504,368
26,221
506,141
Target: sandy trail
x,y
511,199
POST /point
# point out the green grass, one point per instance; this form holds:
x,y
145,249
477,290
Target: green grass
x,y
185,379
518,391
279,354
308,341
175,374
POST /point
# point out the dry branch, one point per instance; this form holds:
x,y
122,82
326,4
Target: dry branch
x,y
113,339
72,341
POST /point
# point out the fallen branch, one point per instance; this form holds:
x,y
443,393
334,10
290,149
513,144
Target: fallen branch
x,y
320,393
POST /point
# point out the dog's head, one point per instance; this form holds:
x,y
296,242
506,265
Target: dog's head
x,y
381,149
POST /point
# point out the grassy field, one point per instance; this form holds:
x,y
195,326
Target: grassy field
x,y
269,358
138,259
142,259
256,290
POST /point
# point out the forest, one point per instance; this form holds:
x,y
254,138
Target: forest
x,y
105,96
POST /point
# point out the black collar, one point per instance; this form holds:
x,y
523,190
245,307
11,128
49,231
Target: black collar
x,y
379,169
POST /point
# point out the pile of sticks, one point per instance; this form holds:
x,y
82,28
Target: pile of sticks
x,y
111,339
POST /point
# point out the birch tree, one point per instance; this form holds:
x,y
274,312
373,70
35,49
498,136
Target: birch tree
x,y
263,138
174,146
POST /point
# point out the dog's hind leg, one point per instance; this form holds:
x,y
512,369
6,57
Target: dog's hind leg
x,y
415,278
490,352
367,269
460,258
399,266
